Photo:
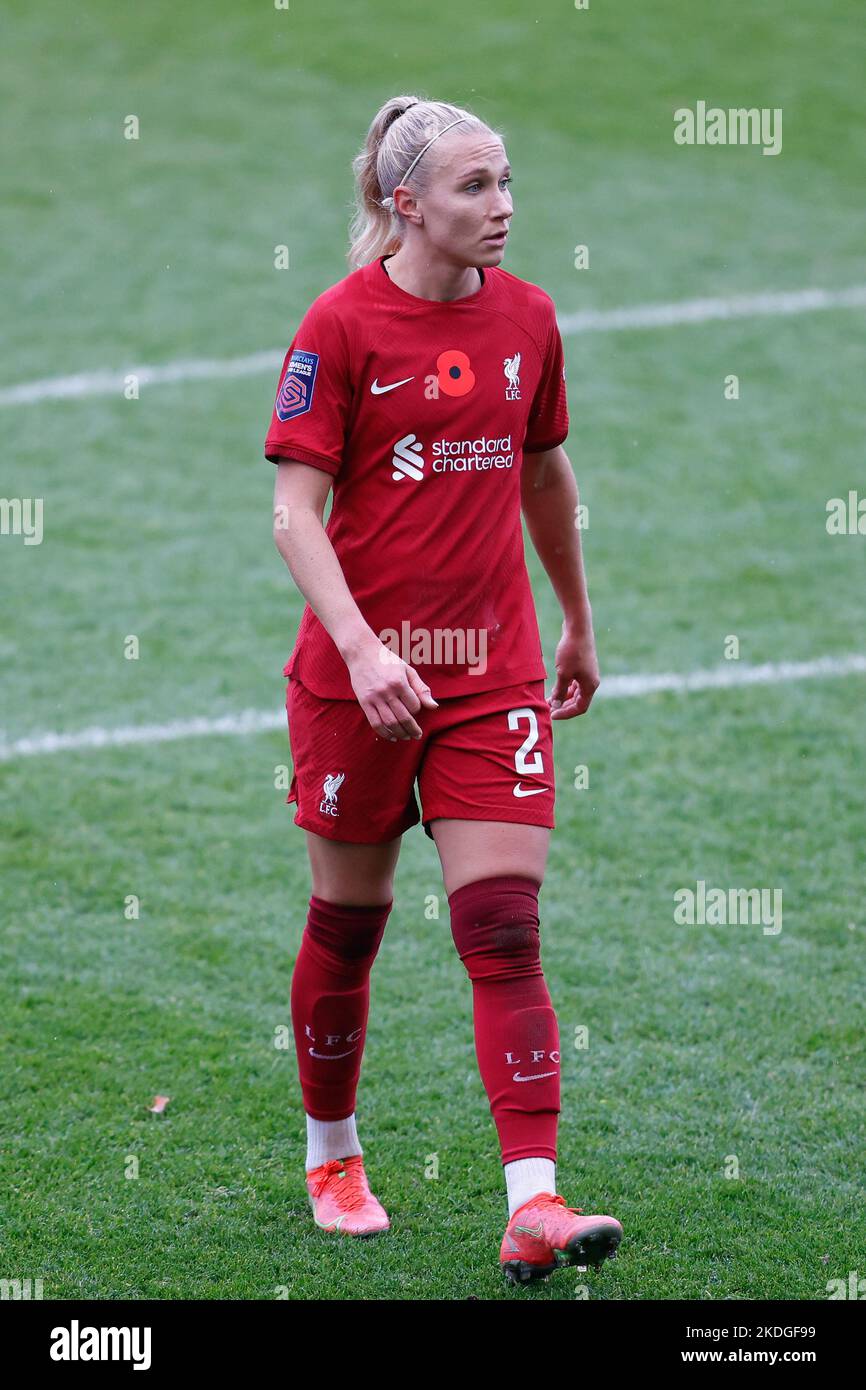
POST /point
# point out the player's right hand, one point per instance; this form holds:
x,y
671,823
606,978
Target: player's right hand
x,y
389,691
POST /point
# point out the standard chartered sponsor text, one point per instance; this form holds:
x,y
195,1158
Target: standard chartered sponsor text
x,y
468,455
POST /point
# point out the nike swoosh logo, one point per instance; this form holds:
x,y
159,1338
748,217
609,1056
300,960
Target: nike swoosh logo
x,y
539,1076
538,1232
330,1225
528,791
378,390
331,1056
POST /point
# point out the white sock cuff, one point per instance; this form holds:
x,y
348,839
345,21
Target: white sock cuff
x,y
526,1177
331,1139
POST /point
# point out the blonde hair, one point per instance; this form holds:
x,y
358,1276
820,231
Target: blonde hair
x,y
398,135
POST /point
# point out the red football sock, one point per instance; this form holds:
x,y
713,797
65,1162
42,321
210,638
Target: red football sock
x,y
330,999
494,922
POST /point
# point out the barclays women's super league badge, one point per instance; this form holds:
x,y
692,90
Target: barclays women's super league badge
x,y
295,396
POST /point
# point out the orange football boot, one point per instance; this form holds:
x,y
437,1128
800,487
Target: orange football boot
x,y
341,1198
544,1233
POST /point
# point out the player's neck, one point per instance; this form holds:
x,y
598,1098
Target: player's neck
x,y
431,280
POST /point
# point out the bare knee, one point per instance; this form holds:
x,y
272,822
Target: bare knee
x,y
472,850
360,875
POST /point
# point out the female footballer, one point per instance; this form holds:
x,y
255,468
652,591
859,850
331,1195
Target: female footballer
x,y
428,388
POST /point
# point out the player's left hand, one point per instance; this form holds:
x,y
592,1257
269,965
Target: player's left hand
x,y
577,677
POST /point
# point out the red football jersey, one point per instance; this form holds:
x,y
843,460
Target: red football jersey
x,y
422,411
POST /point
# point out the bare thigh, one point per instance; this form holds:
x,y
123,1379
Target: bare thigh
x,y
354,875
472,849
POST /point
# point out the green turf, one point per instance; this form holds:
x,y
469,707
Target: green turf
x,y
706,519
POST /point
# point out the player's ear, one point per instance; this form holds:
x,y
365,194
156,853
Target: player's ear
x,y
407,205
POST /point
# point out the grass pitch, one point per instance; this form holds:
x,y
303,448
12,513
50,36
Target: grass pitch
x,y
712,1049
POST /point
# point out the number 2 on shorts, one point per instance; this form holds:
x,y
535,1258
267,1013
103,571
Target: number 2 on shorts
x,y
523,764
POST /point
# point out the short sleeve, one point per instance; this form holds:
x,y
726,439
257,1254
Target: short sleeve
x,y
548,417
314,394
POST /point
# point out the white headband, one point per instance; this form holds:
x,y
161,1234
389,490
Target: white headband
x,y
389,201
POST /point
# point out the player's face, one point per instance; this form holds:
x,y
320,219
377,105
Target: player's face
x,y
467,209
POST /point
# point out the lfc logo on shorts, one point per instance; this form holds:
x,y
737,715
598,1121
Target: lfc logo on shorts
x,y
330,787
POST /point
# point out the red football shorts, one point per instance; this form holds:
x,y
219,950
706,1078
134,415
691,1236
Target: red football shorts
x,y
480,757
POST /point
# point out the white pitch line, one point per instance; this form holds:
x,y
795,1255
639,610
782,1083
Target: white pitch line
x,y
733,674
113,383
706,310
250,721
637,316
266,721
